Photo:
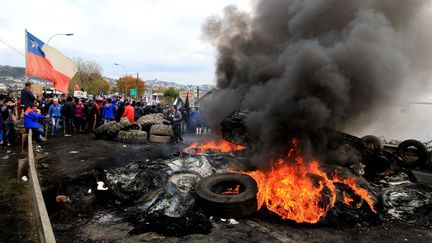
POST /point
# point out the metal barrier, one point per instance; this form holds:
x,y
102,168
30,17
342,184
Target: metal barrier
x,y
43,223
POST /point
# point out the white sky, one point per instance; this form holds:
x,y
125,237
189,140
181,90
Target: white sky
x,y
157,38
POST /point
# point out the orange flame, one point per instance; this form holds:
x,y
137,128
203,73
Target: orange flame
x,y
222,146
299,190
231,191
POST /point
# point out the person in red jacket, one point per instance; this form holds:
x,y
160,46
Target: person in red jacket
x,y
129,112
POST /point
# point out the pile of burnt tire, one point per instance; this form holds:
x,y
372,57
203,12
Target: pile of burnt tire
x,y
123,131
157,127
411,153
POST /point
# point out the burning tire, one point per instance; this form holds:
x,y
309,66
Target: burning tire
x,y
229,195
372,142
132,137
161,130
160,139
413,153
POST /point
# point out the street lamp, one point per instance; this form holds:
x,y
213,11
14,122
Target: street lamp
x,y
68,34
126,71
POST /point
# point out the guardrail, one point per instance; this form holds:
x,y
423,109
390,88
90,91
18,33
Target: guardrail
x,y
43,223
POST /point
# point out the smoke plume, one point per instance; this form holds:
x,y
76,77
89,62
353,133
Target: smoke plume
x,y
301,65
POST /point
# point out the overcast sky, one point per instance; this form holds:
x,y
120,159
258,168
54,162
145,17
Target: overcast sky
x,y
157,38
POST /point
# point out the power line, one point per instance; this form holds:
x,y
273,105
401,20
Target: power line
x,y
11,47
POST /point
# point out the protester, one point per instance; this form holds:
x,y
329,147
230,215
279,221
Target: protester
x,y
31,121
27,96
79,115
69,115
54,113
120,110
9,119
139,111
108,111
176,118
129,112
1,130
90,112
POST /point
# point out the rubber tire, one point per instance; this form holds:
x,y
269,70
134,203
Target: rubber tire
x,y
373,141
135,127
160,139
103,129
227,206
132,137
161,130
151,119
421,153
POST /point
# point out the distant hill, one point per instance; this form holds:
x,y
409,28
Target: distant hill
x,y
15,72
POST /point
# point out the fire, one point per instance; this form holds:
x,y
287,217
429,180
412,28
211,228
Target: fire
x,y
300,191
222,146
231,191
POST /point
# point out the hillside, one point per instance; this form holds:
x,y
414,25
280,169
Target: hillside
x,y
15,72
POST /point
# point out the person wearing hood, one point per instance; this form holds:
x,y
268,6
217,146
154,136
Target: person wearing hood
x,y
31,121
108,111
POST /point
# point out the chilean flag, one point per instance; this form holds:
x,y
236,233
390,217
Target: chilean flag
x,y
47,63
76,87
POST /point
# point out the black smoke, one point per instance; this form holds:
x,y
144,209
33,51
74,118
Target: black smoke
x,y
302,65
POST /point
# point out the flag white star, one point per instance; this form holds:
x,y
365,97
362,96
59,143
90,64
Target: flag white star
x,y
34,44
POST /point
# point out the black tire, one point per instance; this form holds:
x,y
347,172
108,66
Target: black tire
x,y
103,129
135,127
421,154
132,137
151,119
161,130
227,206
160,139
372,142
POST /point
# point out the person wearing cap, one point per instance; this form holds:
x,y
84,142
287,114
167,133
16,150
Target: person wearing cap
x,y
54,113
27,96
31,121
129,112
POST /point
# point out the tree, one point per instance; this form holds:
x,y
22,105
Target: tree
x,y
89,77
170,94
125,83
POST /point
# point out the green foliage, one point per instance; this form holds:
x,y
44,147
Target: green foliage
x,y
89,77
170,94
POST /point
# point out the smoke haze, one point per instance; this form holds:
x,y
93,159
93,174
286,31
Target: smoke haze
x,y
301,65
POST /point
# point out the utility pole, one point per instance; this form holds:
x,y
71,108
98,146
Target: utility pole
x,y
137,86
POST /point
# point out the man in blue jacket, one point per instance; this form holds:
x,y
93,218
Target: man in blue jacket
x,y
108,111
54,112
31,121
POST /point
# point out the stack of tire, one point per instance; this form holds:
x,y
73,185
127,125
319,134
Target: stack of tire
x,y
123,131
160,133
132,137
149,120
412,152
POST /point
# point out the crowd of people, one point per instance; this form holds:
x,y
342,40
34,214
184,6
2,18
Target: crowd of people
x,y
66,115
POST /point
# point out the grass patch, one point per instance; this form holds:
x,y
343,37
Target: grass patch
x,y
16,217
